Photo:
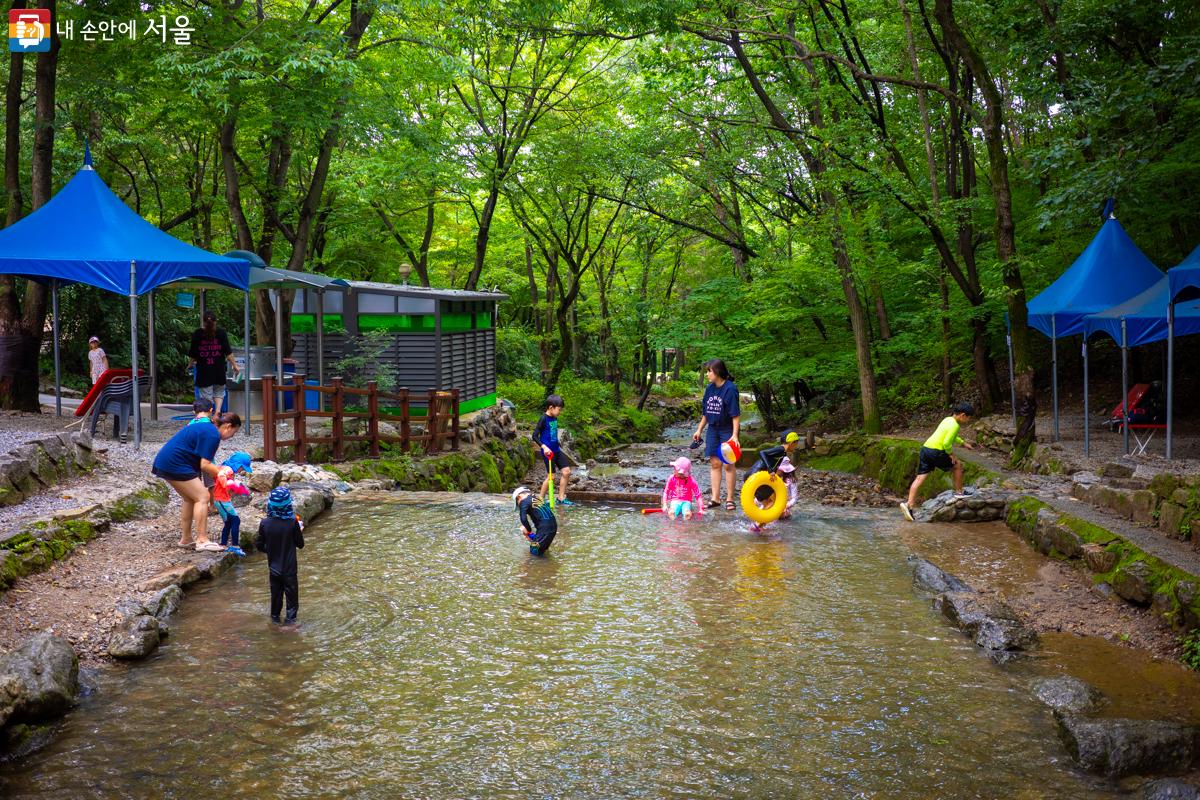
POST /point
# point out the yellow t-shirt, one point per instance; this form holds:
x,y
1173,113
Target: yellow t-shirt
x,y
945,437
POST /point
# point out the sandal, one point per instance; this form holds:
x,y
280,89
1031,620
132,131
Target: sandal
x,y
714,504
729,505
208,547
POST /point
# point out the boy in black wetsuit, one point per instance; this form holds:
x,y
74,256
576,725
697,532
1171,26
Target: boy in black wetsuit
x,y
770,458
545,436
537,520
279,536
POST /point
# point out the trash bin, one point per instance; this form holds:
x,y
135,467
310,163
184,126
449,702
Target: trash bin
x,y
289,379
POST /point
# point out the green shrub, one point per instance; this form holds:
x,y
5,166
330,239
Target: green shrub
x,y
1191,649
517,354
527,395
676,389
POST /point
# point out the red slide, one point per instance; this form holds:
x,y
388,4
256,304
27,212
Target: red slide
x,y
106,377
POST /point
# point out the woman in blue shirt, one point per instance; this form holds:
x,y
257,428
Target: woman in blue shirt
x,y
720,413
182,460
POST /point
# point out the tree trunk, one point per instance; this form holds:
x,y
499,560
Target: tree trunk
x,y
947,381
872,422
12,368
21,333
482,235
1006,246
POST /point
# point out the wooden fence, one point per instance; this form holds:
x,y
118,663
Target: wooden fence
x,y
439,423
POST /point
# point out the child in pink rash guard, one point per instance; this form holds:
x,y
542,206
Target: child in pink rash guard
x,y
682,494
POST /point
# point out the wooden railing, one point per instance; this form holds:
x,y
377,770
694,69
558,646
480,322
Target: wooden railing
x,y
439,423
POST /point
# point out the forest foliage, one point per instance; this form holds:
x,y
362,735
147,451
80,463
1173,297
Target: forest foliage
x,y
841,198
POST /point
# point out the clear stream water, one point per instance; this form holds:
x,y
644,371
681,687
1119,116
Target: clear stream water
x,y
643,658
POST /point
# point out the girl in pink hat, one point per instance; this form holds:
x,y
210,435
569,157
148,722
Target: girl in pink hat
x,y
682,494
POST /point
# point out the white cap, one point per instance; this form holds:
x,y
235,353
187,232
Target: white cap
x,y
520,490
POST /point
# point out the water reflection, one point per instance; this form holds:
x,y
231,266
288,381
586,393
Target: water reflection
x,y
644,657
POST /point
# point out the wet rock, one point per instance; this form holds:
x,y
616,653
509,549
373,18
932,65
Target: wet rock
x,y
1170,789
38,679
931,578
134,637
1119,747
1132,582
1185,593
377,484
178,575
213,565
165,602
1068,695
990,623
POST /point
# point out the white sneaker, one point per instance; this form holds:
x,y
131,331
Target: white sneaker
x,y
907,512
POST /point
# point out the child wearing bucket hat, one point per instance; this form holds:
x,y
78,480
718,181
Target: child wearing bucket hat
x,y
225,485
538,522
682,494
280,536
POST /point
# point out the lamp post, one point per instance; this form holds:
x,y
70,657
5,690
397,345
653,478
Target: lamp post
x,y
405,269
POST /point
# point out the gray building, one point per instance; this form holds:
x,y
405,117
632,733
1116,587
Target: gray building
x,y
402,336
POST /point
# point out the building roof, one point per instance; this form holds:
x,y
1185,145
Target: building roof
x,y
429,293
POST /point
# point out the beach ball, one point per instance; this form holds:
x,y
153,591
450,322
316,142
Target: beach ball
x,y
729,452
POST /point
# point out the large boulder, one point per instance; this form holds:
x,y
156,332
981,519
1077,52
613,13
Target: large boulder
x,y
1068,695
1170,789
136,636
265,477
931,578
1132,581
38,680
178,575
165,602
1119,747
990,623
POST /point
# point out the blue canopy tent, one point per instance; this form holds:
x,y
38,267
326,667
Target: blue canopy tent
x,y
1185,278
1109,271
110,247
1141,320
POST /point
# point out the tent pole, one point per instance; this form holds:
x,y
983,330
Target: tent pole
x,y
246,362
1170,374
133,357
1125,385
151,342
1054,370
1012,386
57,359
320,347
278,342
1086,440
203,304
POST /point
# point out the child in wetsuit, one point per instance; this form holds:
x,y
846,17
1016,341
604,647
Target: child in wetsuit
x,y
279,536
545,436
537,520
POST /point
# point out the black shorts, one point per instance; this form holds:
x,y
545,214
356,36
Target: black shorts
x,y
559,461
933,459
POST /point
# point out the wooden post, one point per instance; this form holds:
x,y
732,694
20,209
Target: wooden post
x,y
268,412
338,401
433,444
373,418
301,423
454,441
810,440
404,425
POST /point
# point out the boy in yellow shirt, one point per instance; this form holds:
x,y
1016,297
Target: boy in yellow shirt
x,y
936,454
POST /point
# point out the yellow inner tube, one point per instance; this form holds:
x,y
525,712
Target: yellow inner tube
x,y
772,512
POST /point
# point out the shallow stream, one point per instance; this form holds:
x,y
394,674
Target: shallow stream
x,y
643,658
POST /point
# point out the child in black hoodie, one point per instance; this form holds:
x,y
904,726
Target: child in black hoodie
x,y
279,536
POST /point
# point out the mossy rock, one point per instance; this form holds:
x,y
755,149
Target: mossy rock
x,y
843,462
490,472
145,503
